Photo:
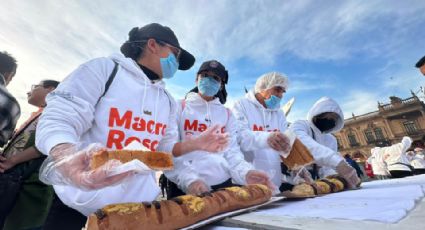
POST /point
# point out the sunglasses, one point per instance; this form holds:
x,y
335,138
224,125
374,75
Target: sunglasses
x,y
176,51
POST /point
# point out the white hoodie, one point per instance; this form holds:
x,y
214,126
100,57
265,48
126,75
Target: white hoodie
x,y
212,168
395,155
255,124
323,146
379,167
134,108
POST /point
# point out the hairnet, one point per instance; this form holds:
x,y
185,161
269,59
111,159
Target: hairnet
x,y
270,80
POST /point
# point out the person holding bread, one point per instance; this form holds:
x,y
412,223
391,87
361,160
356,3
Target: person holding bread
x,y
323,119
113,101
201,171
262,123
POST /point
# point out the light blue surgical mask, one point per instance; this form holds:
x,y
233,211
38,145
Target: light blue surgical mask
x,y
273,102
169,66
208,86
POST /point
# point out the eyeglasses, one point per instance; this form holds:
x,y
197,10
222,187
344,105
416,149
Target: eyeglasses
x,y
176,51
213,76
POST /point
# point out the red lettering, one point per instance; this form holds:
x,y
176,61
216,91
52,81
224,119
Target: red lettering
x,y
154,145
202,127
116,120
157,128
188,126
139,124
115,137
150,126
146,143
131,139
223,129
163,129
256,128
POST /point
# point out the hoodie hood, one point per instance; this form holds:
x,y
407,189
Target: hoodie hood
x,y
251,97
323,105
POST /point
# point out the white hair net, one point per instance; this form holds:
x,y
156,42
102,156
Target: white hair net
x,y
270,80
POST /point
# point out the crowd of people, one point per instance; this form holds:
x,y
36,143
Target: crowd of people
x,y
110,102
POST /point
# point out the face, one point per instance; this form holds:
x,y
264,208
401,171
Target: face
x,y
160,50
38,93
329,116
277,91
209,74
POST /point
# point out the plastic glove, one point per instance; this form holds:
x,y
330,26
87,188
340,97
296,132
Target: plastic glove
x,y
212,140
259,177
348,173
279,142
197,187
301,175
65,165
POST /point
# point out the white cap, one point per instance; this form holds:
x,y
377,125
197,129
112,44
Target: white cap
x,y
270,80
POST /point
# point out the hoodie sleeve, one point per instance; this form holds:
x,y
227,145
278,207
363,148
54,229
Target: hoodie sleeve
x,y
323,155
248,140
183,174
70,108
234,157
171,136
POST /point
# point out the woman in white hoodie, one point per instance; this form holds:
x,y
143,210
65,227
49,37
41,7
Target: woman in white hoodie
x,y
262,123
379,167
200,171
112,101
323,119
396,159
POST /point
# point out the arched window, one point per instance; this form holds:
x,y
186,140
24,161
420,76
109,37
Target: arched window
x,y
369,136
379,134
352,139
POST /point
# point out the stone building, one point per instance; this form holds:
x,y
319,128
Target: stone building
x,y
384,127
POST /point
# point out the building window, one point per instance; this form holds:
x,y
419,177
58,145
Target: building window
x,y
410,127
379,134
369,136
352,139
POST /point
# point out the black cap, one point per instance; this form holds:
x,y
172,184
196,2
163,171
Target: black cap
x,y
164,34
420,63
215,67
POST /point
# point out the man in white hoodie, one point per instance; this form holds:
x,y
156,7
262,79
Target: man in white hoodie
x,y
379,167
262,123
323,119
112,101
201,171
396,159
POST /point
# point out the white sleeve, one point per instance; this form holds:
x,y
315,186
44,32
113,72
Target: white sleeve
x,y
70,108
248,140
323,155
183,174
234,157
283,123
171,136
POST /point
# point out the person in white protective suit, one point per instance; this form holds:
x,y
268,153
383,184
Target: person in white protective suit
x,y
396,159
200,171
262,123
323,119
379,167
417,161
113,101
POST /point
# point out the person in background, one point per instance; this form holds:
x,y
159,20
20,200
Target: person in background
x,y
9,106
20,155
416,158
200,171
262,124
353,164
379,166
323,119
396,159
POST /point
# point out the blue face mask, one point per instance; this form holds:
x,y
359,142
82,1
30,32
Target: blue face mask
x,y
273,102
169,66
208,86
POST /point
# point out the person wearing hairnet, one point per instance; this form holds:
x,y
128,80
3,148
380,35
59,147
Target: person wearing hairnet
x,y
113,101
379,167
262,123
417,161
200,171
323,119
396,159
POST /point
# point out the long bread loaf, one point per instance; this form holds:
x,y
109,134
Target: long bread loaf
x,y
298,157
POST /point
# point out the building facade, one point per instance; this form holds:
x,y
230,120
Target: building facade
x,y
384,127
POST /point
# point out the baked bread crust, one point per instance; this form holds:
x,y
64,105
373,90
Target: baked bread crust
x,y
304,190
179,212
298,157
154,160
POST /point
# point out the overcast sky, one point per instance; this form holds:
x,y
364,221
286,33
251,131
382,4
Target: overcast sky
x,y
357,52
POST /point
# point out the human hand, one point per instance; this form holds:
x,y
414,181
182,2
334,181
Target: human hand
x,y
6,163
349,174
197,187
212,140
279,142
259,177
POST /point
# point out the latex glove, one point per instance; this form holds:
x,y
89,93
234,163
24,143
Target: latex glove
x,y
212,140
6,163
65,165
301,175
279,142
259,177
197,187
348,173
